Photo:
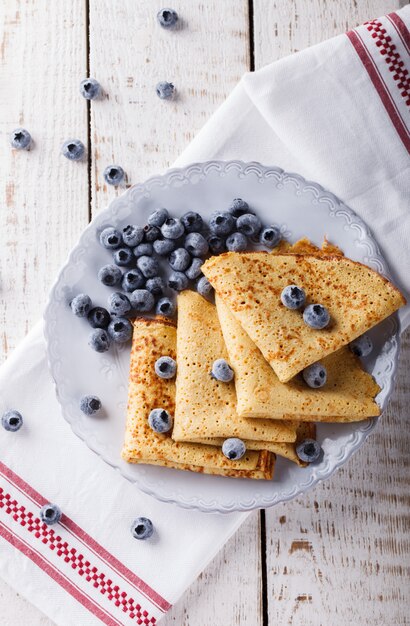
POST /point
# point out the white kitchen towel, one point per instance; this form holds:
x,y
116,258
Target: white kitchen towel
x,y
337,113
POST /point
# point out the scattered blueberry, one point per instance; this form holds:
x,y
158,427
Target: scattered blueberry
x,y
123,256
73,149
172,228
192,222
163,247
148,266
165,367
90,404
50,514
362,346
132,235
110,275
233,448
216,244
316,316
167,18
151,233
142,300
249,224
20,139
194,270
90,88
204,287
270,236
142,528
120,330
239,207
98,317
119,304
133,279
308,450
165,90
160,420
99,340
196,244
143,249
114,174
158,217
178,281
236,242
81,305
293,297
179,260
12,421
222,371
110,238
155,285
166,307
315,375
221,223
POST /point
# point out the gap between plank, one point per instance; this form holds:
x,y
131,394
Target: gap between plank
x,y
251,37
264,574
89,151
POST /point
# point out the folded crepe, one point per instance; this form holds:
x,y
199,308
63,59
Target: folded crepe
x,y
251,283
206,407
153,338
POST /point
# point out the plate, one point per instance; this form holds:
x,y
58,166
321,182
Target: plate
x,y
301,208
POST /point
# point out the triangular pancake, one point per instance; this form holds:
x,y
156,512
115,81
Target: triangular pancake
x,y
153,338
251,283
206,407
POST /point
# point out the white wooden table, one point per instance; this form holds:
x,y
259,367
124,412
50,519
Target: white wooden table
x,y
340,554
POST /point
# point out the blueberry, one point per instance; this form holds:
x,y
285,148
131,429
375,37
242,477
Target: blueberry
x,y
123,256
90,88
221,223
179,260
142,300
114,174
160,420
132,235
110,238
120,330
164,246
142,528
73,149
155,285
239,207
222,371
143,249
316,316
110,275
249,224
90,404
166,307
158,217
133,279
151,233
148,266
315,375
167,18
165,90
20,139
50,514
194,270
233,448
204,287
293,297
98,317
362,346
216,244
119,304
178,281
270,236
81,305
99,340
12,421
172,228
192,222
196,244
165,367
236,242
308,450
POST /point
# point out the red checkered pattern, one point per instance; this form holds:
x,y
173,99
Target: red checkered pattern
x,y
391,57
75,559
